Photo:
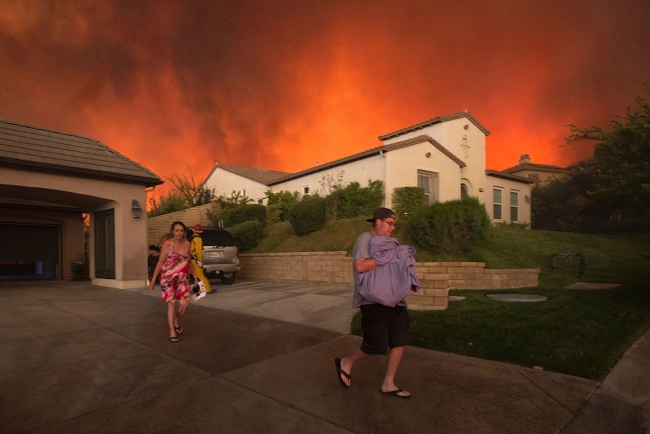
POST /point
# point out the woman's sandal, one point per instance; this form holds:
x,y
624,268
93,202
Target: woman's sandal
x,y
174,339
179,330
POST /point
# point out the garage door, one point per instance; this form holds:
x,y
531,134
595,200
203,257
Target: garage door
x,y
29,251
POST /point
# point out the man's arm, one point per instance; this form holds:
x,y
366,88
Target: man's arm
x,y
362,265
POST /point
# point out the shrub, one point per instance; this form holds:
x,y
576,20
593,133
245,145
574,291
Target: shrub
x,y
566,205
247,235
453,226
165,204
282,201
354,200
273,213
214,218
331,188
80,268
244,213
406,200
232,200
512,225
552,205
308,215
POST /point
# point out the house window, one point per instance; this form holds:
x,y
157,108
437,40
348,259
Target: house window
x,y
429,182
514,206
260,201
305,189
497,204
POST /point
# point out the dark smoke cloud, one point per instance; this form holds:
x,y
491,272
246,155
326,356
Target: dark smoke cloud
x,y
281,84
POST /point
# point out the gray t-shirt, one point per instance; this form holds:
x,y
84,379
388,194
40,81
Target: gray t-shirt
x,y
359,251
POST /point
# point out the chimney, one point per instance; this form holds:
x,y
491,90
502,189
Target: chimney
x,y
524,159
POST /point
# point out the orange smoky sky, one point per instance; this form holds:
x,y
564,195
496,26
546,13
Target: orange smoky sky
x,y
281,84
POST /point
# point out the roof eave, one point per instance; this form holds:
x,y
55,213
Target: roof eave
x,y
434,121
326,166
516,178
230,170
130,179
370,153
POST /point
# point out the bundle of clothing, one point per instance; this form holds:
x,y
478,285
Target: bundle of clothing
x,y
394,278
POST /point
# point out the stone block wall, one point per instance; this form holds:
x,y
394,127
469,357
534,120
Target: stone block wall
x,y
335,268
434,294
324,268
474,275
160,225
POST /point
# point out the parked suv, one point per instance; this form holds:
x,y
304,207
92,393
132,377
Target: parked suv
x,y
219,254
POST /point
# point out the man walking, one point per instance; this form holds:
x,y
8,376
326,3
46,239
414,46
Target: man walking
x,y
385,328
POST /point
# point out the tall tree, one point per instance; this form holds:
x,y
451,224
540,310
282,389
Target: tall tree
x,y
191,194
622,159
331,188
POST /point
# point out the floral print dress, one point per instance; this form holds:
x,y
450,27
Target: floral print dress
x,y
174,279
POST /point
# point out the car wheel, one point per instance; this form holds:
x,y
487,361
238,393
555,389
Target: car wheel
x,y
228,279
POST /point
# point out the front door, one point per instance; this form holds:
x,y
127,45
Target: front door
x,y
105,244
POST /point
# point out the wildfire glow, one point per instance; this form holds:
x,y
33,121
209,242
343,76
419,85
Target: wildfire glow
x,y
281,85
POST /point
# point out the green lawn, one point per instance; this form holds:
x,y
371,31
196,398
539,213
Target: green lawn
x,y
577,332
580,333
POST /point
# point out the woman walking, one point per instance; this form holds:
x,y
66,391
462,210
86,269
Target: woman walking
x,y
174,269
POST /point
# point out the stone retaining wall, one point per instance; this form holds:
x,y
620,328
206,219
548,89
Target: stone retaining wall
x,y
335,268
473,275
159,225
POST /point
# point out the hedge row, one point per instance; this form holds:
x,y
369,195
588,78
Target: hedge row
x,y
453,226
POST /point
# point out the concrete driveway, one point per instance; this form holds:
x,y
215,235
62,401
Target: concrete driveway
x,y
254,358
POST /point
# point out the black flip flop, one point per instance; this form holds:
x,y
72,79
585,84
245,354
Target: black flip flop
x,y
174,339
395,393
340,371
179,330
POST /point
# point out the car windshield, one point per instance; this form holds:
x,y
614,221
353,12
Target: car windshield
x,y
216,237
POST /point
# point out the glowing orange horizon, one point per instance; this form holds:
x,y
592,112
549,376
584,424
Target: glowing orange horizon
x,y
175,86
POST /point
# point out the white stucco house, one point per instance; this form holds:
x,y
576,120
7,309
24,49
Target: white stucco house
x,y
253,183
444,155
541,173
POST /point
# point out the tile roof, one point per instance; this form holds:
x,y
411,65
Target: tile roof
x,y
46,150
370,153
439,119
262,176
534,167
498,174
582,163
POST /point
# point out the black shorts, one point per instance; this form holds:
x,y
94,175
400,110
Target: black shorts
x,y
384,327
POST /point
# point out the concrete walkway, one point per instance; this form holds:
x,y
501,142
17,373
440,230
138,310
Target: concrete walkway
x,y
256,358
622,403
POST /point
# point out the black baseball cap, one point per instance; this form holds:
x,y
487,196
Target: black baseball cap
x,y
381,213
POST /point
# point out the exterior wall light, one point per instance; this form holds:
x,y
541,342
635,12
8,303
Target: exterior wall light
x,y
136,208
527,199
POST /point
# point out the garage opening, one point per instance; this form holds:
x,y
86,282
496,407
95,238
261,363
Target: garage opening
x,y
30,252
